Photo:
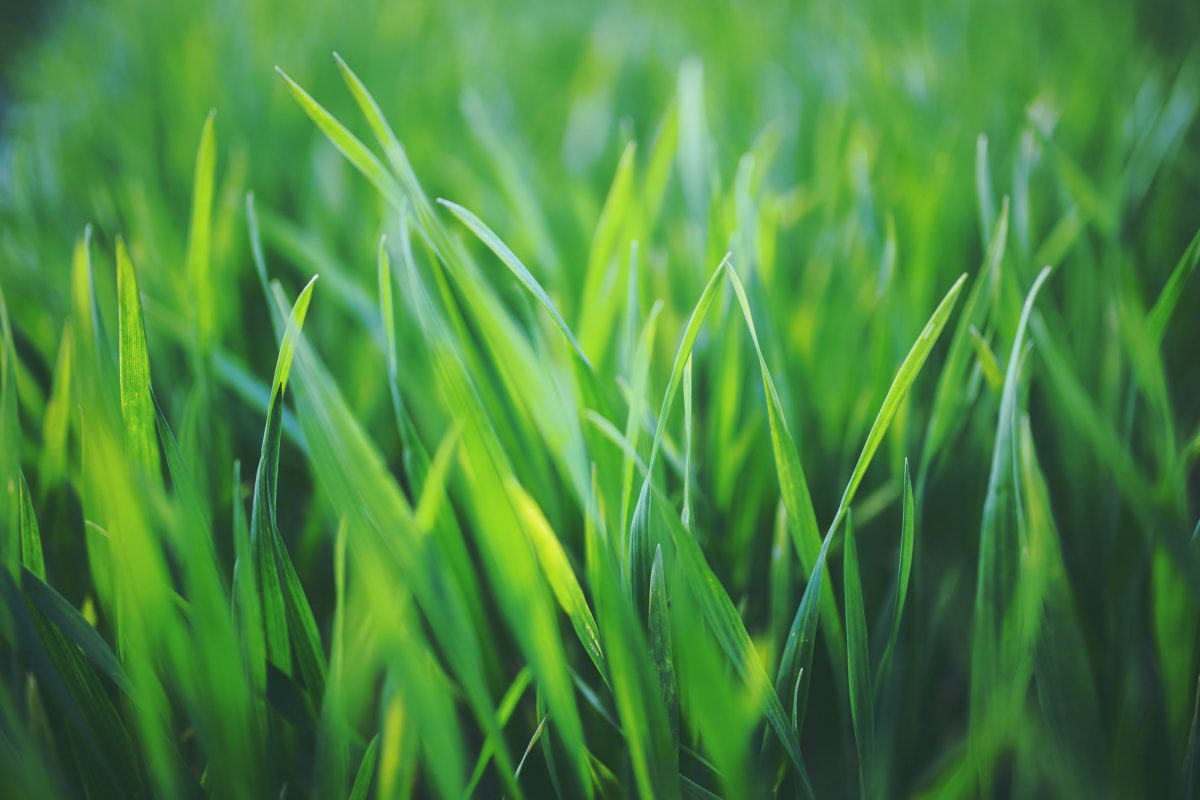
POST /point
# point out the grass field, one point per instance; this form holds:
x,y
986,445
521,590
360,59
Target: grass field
x,y
651,399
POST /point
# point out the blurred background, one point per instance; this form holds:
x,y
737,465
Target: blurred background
x,y
883,137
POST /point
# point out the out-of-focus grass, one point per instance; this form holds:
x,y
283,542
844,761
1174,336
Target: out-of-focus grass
x,y
668,454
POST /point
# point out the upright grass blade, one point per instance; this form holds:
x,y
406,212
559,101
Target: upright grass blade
x,y
1164,307
635,684
601,283
199,252
949,399
660,646
858,652
796,662
52,464
639,535
999,655
31,538
287,617
366,771
793,486
137,408
903,573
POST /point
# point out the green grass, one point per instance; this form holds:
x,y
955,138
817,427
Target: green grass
x,y
692,401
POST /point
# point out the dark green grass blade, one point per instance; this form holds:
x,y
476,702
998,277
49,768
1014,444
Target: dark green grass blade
x,y
903,573
858,652
660,647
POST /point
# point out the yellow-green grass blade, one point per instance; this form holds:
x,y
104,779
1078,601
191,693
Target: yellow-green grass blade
x,y
137,408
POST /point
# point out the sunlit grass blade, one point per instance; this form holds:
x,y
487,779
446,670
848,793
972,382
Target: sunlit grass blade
x,y
638,560
136,406
52,465
363,159
275,589
601,282
199,251
510,260
559,574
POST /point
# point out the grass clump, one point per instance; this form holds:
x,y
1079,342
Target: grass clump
x,y
924,523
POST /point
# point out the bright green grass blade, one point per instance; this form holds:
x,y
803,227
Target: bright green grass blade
x,y
1168,299
31,538
199,251
276,596
639,534
510,260
433,492
688,424
366,771
909,369
660,647
83,295
357,483
559,573
601,283
637,410
903,573
949,397
358,154
997,635
793,486
137,408
52,463
726,625
858,652
635,685
988,364
658,172
508,704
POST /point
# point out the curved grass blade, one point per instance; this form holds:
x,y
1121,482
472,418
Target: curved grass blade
x,y
358,154
997,676
639,535
283,604
510,260
559,574
793,486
